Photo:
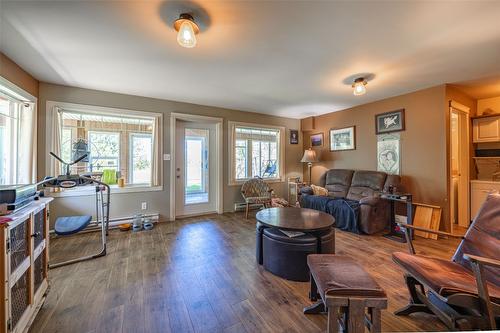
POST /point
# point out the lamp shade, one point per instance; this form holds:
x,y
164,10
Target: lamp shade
x,y
309,156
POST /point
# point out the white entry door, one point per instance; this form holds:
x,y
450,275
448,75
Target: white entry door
x,y
195,169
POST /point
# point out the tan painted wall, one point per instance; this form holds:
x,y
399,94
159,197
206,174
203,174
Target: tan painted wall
x,y
128,204
423,143
15,74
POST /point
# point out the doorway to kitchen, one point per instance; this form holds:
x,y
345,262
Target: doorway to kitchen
x,y
459,162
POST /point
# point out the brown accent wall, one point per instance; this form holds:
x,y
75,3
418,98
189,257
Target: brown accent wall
x,y
127,204
11,71
423,143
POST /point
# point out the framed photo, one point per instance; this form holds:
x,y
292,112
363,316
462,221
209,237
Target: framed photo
x,y
343,138
294,137
388,122
317,140
388,156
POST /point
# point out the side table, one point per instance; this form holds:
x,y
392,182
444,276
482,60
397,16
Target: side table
x,y
294,192
395,233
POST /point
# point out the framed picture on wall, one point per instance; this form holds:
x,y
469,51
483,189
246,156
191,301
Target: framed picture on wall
x,y
294,137
317,140
343,138
389,156
388,122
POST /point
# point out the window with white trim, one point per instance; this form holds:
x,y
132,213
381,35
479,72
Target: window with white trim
x,y
17,135
256,151
118,144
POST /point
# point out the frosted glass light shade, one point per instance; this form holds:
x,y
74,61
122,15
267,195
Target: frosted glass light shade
x,y
186,35
359,88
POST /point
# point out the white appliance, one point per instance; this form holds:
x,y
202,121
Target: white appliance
x,y
479,191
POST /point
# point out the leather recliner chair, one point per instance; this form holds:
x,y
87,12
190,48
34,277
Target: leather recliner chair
x,y
463,292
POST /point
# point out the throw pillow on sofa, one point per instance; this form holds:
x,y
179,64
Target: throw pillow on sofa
x,y
318,190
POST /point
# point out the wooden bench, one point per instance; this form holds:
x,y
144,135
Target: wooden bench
x,y
347,291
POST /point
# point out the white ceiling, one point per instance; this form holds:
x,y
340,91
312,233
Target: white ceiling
x,y
282,58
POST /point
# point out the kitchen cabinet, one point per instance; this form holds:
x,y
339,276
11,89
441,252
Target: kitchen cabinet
x,y
486,129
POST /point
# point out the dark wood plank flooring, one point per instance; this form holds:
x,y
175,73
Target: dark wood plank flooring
x,y
200,275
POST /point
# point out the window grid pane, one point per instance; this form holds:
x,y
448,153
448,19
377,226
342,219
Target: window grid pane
x,y
141,158
104,151
256,152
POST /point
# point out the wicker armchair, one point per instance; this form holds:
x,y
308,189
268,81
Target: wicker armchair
x,y
256,191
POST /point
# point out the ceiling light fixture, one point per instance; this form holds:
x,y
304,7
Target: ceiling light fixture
x,y
359,86
186,30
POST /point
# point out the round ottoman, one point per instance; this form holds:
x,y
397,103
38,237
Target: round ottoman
x,y
287,256
259,227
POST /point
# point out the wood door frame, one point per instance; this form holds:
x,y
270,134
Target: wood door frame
x,y
465,111
219,204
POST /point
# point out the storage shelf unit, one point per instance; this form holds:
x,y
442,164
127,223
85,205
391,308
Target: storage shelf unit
x,y
24,265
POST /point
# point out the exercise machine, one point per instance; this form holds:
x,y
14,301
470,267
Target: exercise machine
x,y
70,225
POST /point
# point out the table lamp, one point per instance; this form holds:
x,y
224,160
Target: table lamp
x,y
309,158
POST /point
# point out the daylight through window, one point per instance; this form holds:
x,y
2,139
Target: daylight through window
x,y
117,146
256,152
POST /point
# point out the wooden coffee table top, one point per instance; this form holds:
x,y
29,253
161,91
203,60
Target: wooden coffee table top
x,y
296,219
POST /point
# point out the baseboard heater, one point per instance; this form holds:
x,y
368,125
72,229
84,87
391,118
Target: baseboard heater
x,y
241,206
114,223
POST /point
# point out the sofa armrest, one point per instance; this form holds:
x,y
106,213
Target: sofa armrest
x,y
306,190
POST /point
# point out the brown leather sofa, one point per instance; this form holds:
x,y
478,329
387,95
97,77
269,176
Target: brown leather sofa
x,y
364,187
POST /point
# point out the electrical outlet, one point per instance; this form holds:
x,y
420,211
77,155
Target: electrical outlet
x,y
144,205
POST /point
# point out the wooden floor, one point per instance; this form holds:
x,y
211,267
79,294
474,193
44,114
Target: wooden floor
x,y
200,275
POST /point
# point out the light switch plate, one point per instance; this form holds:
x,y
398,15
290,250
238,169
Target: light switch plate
x,y
166,157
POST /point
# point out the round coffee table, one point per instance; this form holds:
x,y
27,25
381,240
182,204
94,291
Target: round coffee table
x,y
295,219
290,253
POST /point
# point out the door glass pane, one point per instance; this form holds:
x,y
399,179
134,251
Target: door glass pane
x,y
39,222
19,295
18,245
196,166
39,270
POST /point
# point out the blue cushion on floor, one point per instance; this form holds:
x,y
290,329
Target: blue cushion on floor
x,y
68,225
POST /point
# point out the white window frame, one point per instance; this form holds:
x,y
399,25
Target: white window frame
x,y
101,110
131,155
231,146
18,94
